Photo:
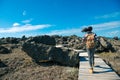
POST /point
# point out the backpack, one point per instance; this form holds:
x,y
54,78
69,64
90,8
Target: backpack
x,y
90,41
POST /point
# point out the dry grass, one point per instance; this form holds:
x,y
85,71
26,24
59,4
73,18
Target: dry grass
x,y
21,67
112,59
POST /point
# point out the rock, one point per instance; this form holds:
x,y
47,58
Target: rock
x,y
3,71
48,40
115,44
42,52
116,38
65,56
4,50
70,41
2,64
8,40
103,45
23,38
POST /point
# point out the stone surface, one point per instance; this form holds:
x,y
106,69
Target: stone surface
x,y
42,52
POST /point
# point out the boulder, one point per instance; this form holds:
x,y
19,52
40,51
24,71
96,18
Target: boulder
x,y
45,39
23,38
103,45
116,38
70,41
4,50
42,52
115,44
8,40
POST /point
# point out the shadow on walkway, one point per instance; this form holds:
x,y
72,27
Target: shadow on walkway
x,y
104,69
83,59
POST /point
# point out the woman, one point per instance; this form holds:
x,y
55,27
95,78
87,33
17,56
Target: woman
x,y
90,39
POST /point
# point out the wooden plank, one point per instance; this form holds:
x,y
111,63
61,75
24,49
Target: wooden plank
x,y
101,70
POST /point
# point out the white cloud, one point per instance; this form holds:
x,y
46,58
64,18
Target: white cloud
x,y
65,32
26,27
16,24
112,15
27,21
114,33
96,27
103,29
107,25
24,13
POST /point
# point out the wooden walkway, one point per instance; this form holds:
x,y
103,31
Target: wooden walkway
x,y
101,70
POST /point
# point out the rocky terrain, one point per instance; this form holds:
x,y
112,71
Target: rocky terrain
x,y
39,57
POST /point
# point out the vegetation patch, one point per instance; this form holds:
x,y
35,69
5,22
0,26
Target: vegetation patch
x,y
113,60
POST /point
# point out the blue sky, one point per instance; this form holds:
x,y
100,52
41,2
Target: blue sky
x,y
59,17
